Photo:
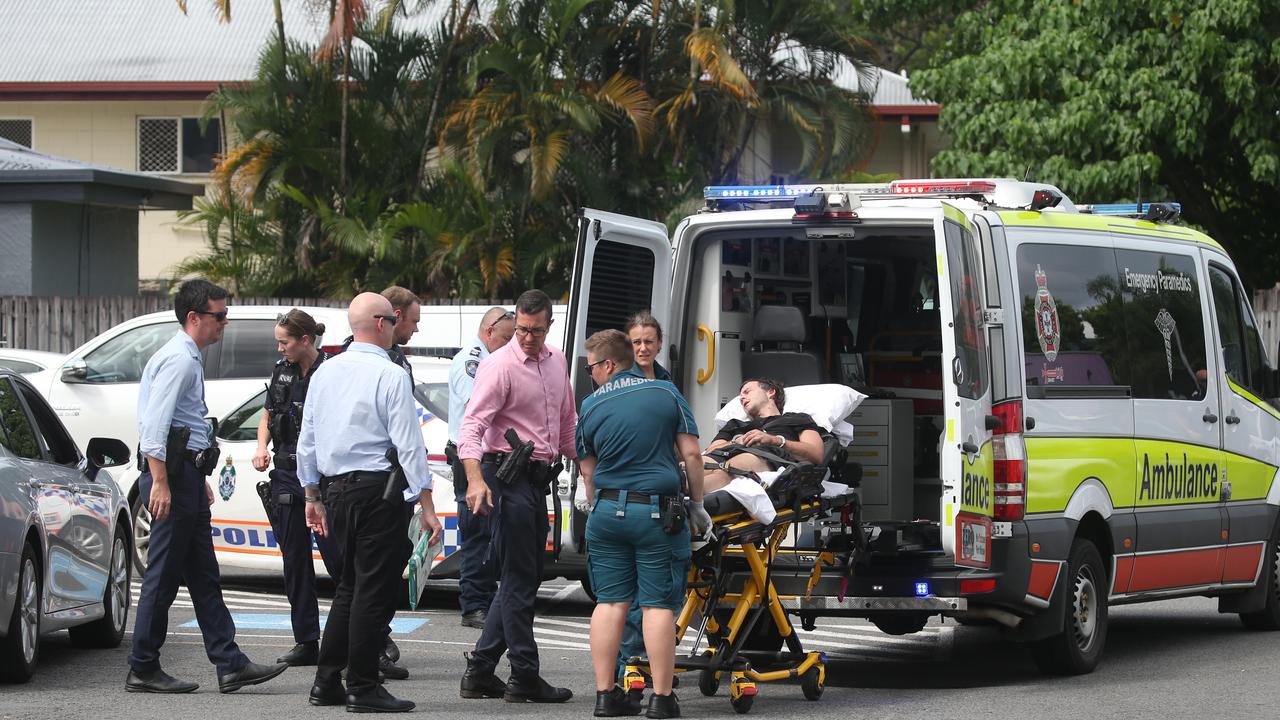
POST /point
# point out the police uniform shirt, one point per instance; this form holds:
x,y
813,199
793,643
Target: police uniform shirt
x,y
172,393
395,354
462,380
286,396
630,426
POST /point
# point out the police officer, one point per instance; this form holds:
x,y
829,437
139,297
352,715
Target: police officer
x,y
407,309
297,339
360,407
523,386
625,437
174,443
478,579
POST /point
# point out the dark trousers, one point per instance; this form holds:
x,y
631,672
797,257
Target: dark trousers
x,y
181,551
296,546
478,575
373,536
519,523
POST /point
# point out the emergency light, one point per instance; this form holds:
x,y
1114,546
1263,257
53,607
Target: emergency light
x,y
922,589
1155,212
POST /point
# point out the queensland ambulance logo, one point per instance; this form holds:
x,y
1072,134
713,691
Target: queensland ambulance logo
x,y
1047,329
1167,327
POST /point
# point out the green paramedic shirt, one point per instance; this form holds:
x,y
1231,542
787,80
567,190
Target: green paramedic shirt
x,y
630,426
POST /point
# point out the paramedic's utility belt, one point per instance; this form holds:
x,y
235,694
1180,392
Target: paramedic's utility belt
x,y
175,452
672,510
519,462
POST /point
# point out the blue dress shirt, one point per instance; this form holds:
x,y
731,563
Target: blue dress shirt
x,y
172,393
359,405
462,379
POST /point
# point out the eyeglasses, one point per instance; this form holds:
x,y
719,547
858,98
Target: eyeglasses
x,y
536,332
217,316
592,366
508,315
391,319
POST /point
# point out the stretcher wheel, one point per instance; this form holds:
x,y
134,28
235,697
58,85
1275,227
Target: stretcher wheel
x,y
811,683
708,682
742,705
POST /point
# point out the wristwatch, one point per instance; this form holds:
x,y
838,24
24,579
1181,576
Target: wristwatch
x,y
782,442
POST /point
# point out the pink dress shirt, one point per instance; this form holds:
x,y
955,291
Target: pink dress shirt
x,y
512,390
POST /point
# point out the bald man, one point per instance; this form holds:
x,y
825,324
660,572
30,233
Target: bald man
x,y
360,406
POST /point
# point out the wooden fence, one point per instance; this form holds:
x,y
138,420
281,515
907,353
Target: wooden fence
x,y
1266,307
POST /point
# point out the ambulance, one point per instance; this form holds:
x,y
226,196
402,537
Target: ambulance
x,y
1068,407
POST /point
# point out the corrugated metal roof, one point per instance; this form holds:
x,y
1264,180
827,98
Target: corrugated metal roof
x,y
17,157
23,167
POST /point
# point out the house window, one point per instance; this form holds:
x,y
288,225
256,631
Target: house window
x,y
176,145
16,130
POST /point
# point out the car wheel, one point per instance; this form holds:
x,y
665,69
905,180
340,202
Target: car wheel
x,y
1077,649
141,535
1268,618
108,630
20,649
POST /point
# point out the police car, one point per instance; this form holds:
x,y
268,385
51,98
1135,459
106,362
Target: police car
x,y
1070,407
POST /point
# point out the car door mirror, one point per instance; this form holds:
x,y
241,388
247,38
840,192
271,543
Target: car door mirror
x,y
75,371
105,453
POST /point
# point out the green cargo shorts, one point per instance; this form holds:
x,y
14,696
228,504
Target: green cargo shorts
x,y
630,558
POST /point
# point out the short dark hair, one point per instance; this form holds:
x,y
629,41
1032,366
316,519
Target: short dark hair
x,y
194,296
299,323
532,302
401,298
644,318
611,345
767,384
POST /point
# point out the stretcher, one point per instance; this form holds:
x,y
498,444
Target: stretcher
x,y
731,598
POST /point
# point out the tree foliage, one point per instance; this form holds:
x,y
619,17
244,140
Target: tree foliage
x,y
1119,99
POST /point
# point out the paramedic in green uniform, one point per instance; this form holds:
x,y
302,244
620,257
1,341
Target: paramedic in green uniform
x,y
625,434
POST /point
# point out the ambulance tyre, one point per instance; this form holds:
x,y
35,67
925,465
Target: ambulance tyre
x,y
1268,618
1077,649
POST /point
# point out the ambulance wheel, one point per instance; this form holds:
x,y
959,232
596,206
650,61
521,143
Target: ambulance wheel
x,y
1076,650
811,684
1268,618
742,703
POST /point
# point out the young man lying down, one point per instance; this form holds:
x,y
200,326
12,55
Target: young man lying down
x,y
790,436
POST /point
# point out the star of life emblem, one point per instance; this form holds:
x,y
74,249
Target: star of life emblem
x,y
1167,326
1047,329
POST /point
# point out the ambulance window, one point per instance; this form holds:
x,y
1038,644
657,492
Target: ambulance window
x,y
1242,352
970,372
1072,318
1164,325
621,284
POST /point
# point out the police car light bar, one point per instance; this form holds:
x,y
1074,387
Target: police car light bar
x,y
731,194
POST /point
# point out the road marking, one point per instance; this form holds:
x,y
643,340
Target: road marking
x,y
274,621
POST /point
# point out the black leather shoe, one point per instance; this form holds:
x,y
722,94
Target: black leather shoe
x,y
327,694
390,670
474,619
616,703
307,653
478,682
534,689
663,706
250,674
377,700
157,681
391,650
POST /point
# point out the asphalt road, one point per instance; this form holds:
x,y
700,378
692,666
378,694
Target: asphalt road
x,y
1173,659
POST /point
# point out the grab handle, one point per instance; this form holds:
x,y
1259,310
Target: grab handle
x,y
705,332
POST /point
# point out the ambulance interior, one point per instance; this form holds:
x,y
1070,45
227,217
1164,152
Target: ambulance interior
x,y
866,314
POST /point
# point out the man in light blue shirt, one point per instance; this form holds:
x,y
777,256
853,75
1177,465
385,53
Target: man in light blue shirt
x,y
359,407
173,489
478,580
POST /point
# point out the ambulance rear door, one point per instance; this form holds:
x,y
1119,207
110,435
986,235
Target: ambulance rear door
x,y
968,493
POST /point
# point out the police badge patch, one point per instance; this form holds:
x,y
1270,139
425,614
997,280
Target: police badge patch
x,y
472,366
227,480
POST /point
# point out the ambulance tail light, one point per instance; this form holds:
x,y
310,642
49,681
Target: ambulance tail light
x,y
330,350
1010,469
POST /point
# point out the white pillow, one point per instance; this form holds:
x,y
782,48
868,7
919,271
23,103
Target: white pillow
x,y
828,405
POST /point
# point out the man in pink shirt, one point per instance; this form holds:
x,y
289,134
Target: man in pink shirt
x,y
524,386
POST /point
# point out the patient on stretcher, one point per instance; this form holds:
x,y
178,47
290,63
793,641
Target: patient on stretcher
x,y
756,444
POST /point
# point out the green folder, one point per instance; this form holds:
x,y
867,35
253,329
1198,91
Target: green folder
x,y
420,560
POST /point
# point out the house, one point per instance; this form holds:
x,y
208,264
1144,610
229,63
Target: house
x,y
121,84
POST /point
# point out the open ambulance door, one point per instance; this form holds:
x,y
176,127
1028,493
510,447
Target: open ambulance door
x,y
622,266
967,453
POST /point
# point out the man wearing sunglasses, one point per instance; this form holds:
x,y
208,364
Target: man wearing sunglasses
x,y
170,407
523,386
478,580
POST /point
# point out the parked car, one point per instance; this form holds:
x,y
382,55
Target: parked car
x,y
64,533
95,390
26,362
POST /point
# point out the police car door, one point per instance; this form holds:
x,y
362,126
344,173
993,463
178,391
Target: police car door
x,y
967,453
622,266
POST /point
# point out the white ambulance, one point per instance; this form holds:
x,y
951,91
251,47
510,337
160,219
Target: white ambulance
x,y
1069,407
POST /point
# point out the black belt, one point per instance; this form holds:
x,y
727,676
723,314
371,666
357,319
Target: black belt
x,y
357,477
540,467
638,498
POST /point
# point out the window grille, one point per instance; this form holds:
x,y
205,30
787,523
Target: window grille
x,y
158,145
15,130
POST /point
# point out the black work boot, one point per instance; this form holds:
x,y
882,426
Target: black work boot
x,y
663,706
616,703
535,690
480,682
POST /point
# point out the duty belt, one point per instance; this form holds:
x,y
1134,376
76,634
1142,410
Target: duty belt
x,y
535,468
355,478
638,498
